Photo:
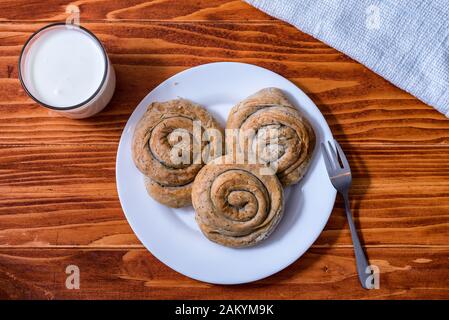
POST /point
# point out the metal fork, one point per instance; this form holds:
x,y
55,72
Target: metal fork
x,y
340,176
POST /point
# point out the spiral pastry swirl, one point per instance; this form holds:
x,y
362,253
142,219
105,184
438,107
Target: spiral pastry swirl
x,y
169,180
263,113
236,206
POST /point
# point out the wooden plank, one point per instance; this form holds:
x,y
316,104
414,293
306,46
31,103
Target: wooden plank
x,y
113,10
61,195
65,195
399,196
136,274
360,107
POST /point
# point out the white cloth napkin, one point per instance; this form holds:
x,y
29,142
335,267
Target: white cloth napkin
x,y
404,41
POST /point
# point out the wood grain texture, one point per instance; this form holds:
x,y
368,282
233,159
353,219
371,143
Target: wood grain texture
x,y
59,205
360,106
65,195
131,273
113,10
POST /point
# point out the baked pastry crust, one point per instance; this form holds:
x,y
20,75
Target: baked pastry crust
x,y
168,181
269,109
236,205
171,196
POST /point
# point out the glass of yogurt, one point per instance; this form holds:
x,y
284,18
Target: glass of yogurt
x,y
64,67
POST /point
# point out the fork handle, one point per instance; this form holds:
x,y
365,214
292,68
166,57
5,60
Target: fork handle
x,y
363,268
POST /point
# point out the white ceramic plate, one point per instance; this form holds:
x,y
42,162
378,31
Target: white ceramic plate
x,y
172,234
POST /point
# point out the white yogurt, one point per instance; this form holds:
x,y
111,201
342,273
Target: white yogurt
x,y
64,66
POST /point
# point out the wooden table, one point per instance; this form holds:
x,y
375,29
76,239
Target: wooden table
x,y
59,205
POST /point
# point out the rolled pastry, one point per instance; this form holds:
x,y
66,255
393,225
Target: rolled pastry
x,y
163,149
236,205
269,114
